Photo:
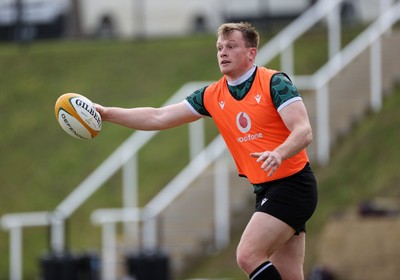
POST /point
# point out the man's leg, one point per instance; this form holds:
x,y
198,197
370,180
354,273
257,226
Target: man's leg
x,y
265,271
289,258
263,235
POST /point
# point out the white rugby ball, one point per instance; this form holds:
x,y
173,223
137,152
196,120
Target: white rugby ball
x,y
77,116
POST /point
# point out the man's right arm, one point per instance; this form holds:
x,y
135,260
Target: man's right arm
x,y
148,118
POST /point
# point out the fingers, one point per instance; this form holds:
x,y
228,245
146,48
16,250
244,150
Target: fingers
x,y
258,156
100,109
271,161
270,164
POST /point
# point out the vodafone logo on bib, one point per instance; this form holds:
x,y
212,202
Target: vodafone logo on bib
x,y
243,122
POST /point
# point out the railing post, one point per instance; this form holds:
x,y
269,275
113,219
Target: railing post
x,y
287,60
130,195
221,202
385,4
334,31
57,229
323,137
196,138
149,232
15,253
109,255
14,223
130,183
376,75
108,218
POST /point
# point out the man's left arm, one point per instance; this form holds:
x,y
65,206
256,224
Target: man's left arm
x,y
292,111
296,120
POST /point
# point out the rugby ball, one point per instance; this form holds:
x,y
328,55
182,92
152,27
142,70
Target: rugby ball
x,y
77,116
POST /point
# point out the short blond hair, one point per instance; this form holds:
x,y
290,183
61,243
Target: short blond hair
x,y
250,34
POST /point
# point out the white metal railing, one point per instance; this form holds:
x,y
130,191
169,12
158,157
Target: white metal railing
x,y
282,43
108,218
125,156
14,223
319,80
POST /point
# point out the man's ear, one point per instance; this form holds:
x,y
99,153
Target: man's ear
x,y
252,53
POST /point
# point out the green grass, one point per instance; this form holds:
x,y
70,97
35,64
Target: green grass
x,y
41,165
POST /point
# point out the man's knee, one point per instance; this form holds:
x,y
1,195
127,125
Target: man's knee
x,y
248,260
242,259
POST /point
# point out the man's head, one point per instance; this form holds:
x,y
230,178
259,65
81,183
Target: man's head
x,y
237,45
250,34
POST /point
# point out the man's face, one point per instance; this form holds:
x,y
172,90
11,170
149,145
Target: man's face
x,y
234,58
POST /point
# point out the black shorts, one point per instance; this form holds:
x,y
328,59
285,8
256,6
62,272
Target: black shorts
x,y
292,199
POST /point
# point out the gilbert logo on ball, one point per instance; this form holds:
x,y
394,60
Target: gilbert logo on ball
x,y
77,116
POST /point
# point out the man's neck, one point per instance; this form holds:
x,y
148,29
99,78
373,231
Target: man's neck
x,y
243,78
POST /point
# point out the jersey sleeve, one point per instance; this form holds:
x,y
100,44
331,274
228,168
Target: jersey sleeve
x,y
283,91
196,102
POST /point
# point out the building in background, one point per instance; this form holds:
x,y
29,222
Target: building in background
x,y
130,19
149,18
154,18
30,19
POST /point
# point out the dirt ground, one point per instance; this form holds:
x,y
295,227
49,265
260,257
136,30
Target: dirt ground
x,y
364,243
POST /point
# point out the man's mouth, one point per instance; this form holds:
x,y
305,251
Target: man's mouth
x,y
224,62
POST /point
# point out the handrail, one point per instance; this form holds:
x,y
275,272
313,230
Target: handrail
x,y
108,168
293,31
117,159
175,187
358,45
9,221
14,224
196,167
148,214
319,80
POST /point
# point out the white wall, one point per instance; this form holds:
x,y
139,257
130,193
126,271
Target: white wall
x,y
150,17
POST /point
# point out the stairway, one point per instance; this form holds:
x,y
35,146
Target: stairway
x,y
350,91
187,225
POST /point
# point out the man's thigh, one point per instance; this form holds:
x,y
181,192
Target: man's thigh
x,y
263,235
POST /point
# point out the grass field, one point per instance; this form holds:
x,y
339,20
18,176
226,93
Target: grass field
x,y
41,165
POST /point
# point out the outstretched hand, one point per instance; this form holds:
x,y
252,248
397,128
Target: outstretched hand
x,y
271,160
101,110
